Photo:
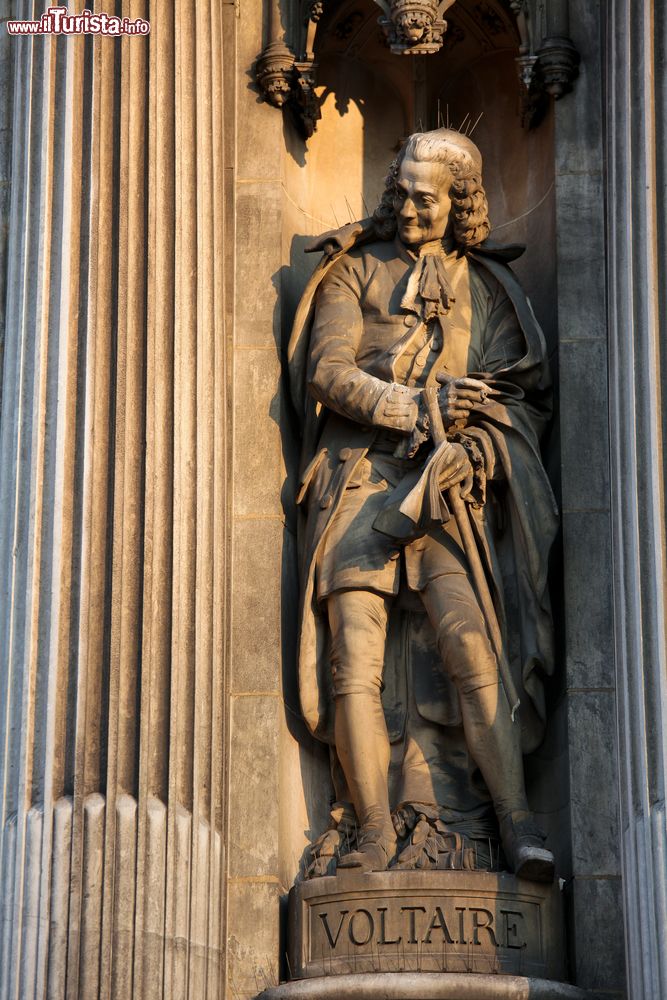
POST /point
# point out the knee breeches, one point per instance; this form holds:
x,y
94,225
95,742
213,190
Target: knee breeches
x,y
461,632
358,622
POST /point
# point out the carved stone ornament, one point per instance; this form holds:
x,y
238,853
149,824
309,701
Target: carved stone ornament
x,y
315,10
414,27
286,69
559,65
305,104
275,73
545,69
284,80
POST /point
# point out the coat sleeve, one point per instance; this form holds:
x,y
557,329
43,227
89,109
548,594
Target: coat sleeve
x,y
334,377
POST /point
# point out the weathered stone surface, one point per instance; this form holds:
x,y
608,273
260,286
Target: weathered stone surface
x,y
578,147
593,783
589,649
581,284
258,471
584,428
599,942
427,922
424,986
256,611
259,260
253,943
253,807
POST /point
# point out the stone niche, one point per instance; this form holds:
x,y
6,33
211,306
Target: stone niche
x,y
487,925
370,101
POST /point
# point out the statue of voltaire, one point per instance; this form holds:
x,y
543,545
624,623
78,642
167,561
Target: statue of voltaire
x,y
421,374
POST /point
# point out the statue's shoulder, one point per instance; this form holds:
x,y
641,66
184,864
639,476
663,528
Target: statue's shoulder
x,y
487,279
489,265
354,244
501,253
375,250
359,264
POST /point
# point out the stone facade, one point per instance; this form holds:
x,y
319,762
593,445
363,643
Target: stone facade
x,y
158,786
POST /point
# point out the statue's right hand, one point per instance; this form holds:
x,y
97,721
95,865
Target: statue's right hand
x,y
397,409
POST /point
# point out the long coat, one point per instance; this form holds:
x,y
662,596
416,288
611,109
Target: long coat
x,y
515,558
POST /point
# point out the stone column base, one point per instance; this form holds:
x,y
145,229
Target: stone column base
x,y
423,986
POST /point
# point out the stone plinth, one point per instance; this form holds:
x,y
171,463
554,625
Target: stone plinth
x,y
428,921
423,986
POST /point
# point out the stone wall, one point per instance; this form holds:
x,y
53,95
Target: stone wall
x,y
158,787
590,699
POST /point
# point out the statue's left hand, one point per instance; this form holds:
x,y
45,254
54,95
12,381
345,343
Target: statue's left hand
x,y
457,397
455,467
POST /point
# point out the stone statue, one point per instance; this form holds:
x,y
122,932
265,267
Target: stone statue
x,y
421,374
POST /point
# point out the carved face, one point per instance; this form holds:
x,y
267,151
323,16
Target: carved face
x,y
414,25
422,203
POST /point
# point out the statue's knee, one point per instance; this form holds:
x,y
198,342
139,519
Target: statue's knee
x,y
466,654
357,654
356,674
347,682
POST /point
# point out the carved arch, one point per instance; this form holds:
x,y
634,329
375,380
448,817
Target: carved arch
x,y
547,60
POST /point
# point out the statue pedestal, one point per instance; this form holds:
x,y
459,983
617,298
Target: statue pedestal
x,y
426,921
423,986
425,934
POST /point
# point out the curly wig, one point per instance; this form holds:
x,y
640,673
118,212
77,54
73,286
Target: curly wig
x,y
470,211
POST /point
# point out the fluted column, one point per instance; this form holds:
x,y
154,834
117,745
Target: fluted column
x,y
113,516
636,36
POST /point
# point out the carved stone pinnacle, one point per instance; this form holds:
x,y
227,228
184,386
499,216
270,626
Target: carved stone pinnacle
x,y
275,75
558,65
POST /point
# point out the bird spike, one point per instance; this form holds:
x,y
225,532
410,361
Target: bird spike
x,y
460,128
366,209
335,217
479,118
349,209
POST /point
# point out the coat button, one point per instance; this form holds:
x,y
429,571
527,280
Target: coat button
x,y
344,454
409,320
394,553
326,501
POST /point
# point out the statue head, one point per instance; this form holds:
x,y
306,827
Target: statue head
x,y
434,188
